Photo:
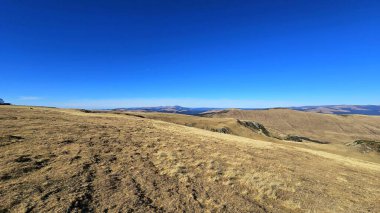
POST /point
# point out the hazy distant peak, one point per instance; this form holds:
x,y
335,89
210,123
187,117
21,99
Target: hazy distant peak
x,y
342,109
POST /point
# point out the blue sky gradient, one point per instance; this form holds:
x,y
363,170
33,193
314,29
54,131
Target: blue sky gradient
x,y
195,53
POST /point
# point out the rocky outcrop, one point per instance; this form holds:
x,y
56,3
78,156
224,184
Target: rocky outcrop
x,y
259,128
367,145
224,130
297,138
254,126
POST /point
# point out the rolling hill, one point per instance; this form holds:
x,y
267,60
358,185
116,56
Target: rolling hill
x,y
353,136
331,128
221,125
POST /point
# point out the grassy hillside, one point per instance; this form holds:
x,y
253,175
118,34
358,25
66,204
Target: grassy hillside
x,y
222,125
311,129
339,131
56,160
332,128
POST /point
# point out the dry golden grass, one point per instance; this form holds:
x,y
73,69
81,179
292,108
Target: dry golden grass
x,y
339,130
211,124
56,160
340,139
331,128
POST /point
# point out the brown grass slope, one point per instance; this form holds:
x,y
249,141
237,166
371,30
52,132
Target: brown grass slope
x,y
55,160
230,125
339,130
332,128
303,124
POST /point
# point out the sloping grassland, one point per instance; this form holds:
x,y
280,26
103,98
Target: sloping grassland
x,y
55,160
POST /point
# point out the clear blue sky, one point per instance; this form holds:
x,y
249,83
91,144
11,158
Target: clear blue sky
x,y
193,53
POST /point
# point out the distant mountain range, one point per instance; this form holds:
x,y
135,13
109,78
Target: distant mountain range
x,y
328,109
342,109
3,103
170,109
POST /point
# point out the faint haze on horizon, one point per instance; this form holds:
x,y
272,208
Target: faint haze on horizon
x,y
251,54
221,103
183,102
